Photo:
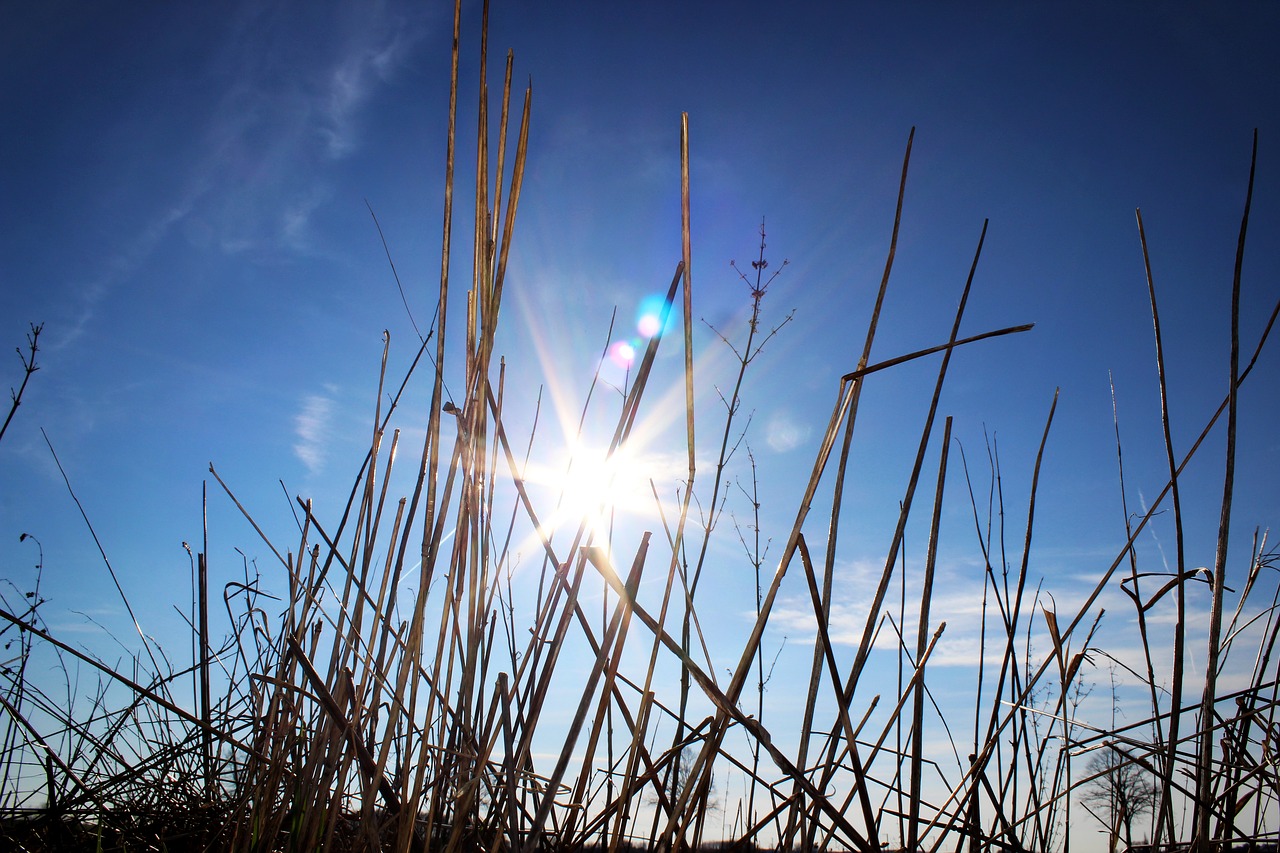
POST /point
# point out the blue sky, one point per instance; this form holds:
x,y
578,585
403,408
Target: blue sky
x,y
183,205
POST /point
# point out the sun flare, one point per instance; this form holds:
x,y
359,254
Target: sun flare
x,y
586,487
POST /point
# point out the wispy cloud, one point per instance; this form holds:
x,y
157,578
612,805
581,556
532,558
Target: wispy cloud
x,y
311,426
784,432
90,294
295,225
373,57
273,132
248,146
253,145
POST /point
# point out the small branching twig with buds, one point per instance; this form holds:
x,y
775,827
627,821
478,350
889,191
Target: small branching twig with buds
x,y
29,366
758,288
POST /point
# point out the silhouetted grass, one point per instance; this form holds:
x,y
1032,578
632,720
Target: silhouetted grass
x,y
341,726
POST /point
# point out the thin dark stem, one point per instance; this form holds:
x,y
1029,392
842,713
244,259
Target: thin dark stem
x,y
1164,811
1204,775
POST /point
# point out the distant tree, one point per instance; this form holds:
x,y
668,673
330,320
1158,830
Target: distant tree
x,y
1120,795
682,769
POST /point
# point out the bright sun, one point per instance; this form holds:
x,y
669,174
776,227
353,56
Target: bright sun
x,y
596,490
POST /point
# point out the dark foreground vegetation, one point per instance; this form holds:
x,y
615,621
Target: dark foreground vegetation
x,y
326,721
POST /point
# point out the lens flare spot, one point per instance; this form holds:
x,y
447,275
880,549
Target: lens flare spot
x,y
649,317
648,325
623,354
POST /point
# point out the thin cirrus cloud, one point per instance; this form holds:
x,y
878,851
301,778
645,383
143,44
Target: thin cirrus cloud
x,y
272,135
312,427
122,266
252,145
373,59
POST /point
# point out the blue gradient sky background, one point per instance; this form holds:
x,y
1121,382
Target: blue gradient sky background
x,y
182,203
